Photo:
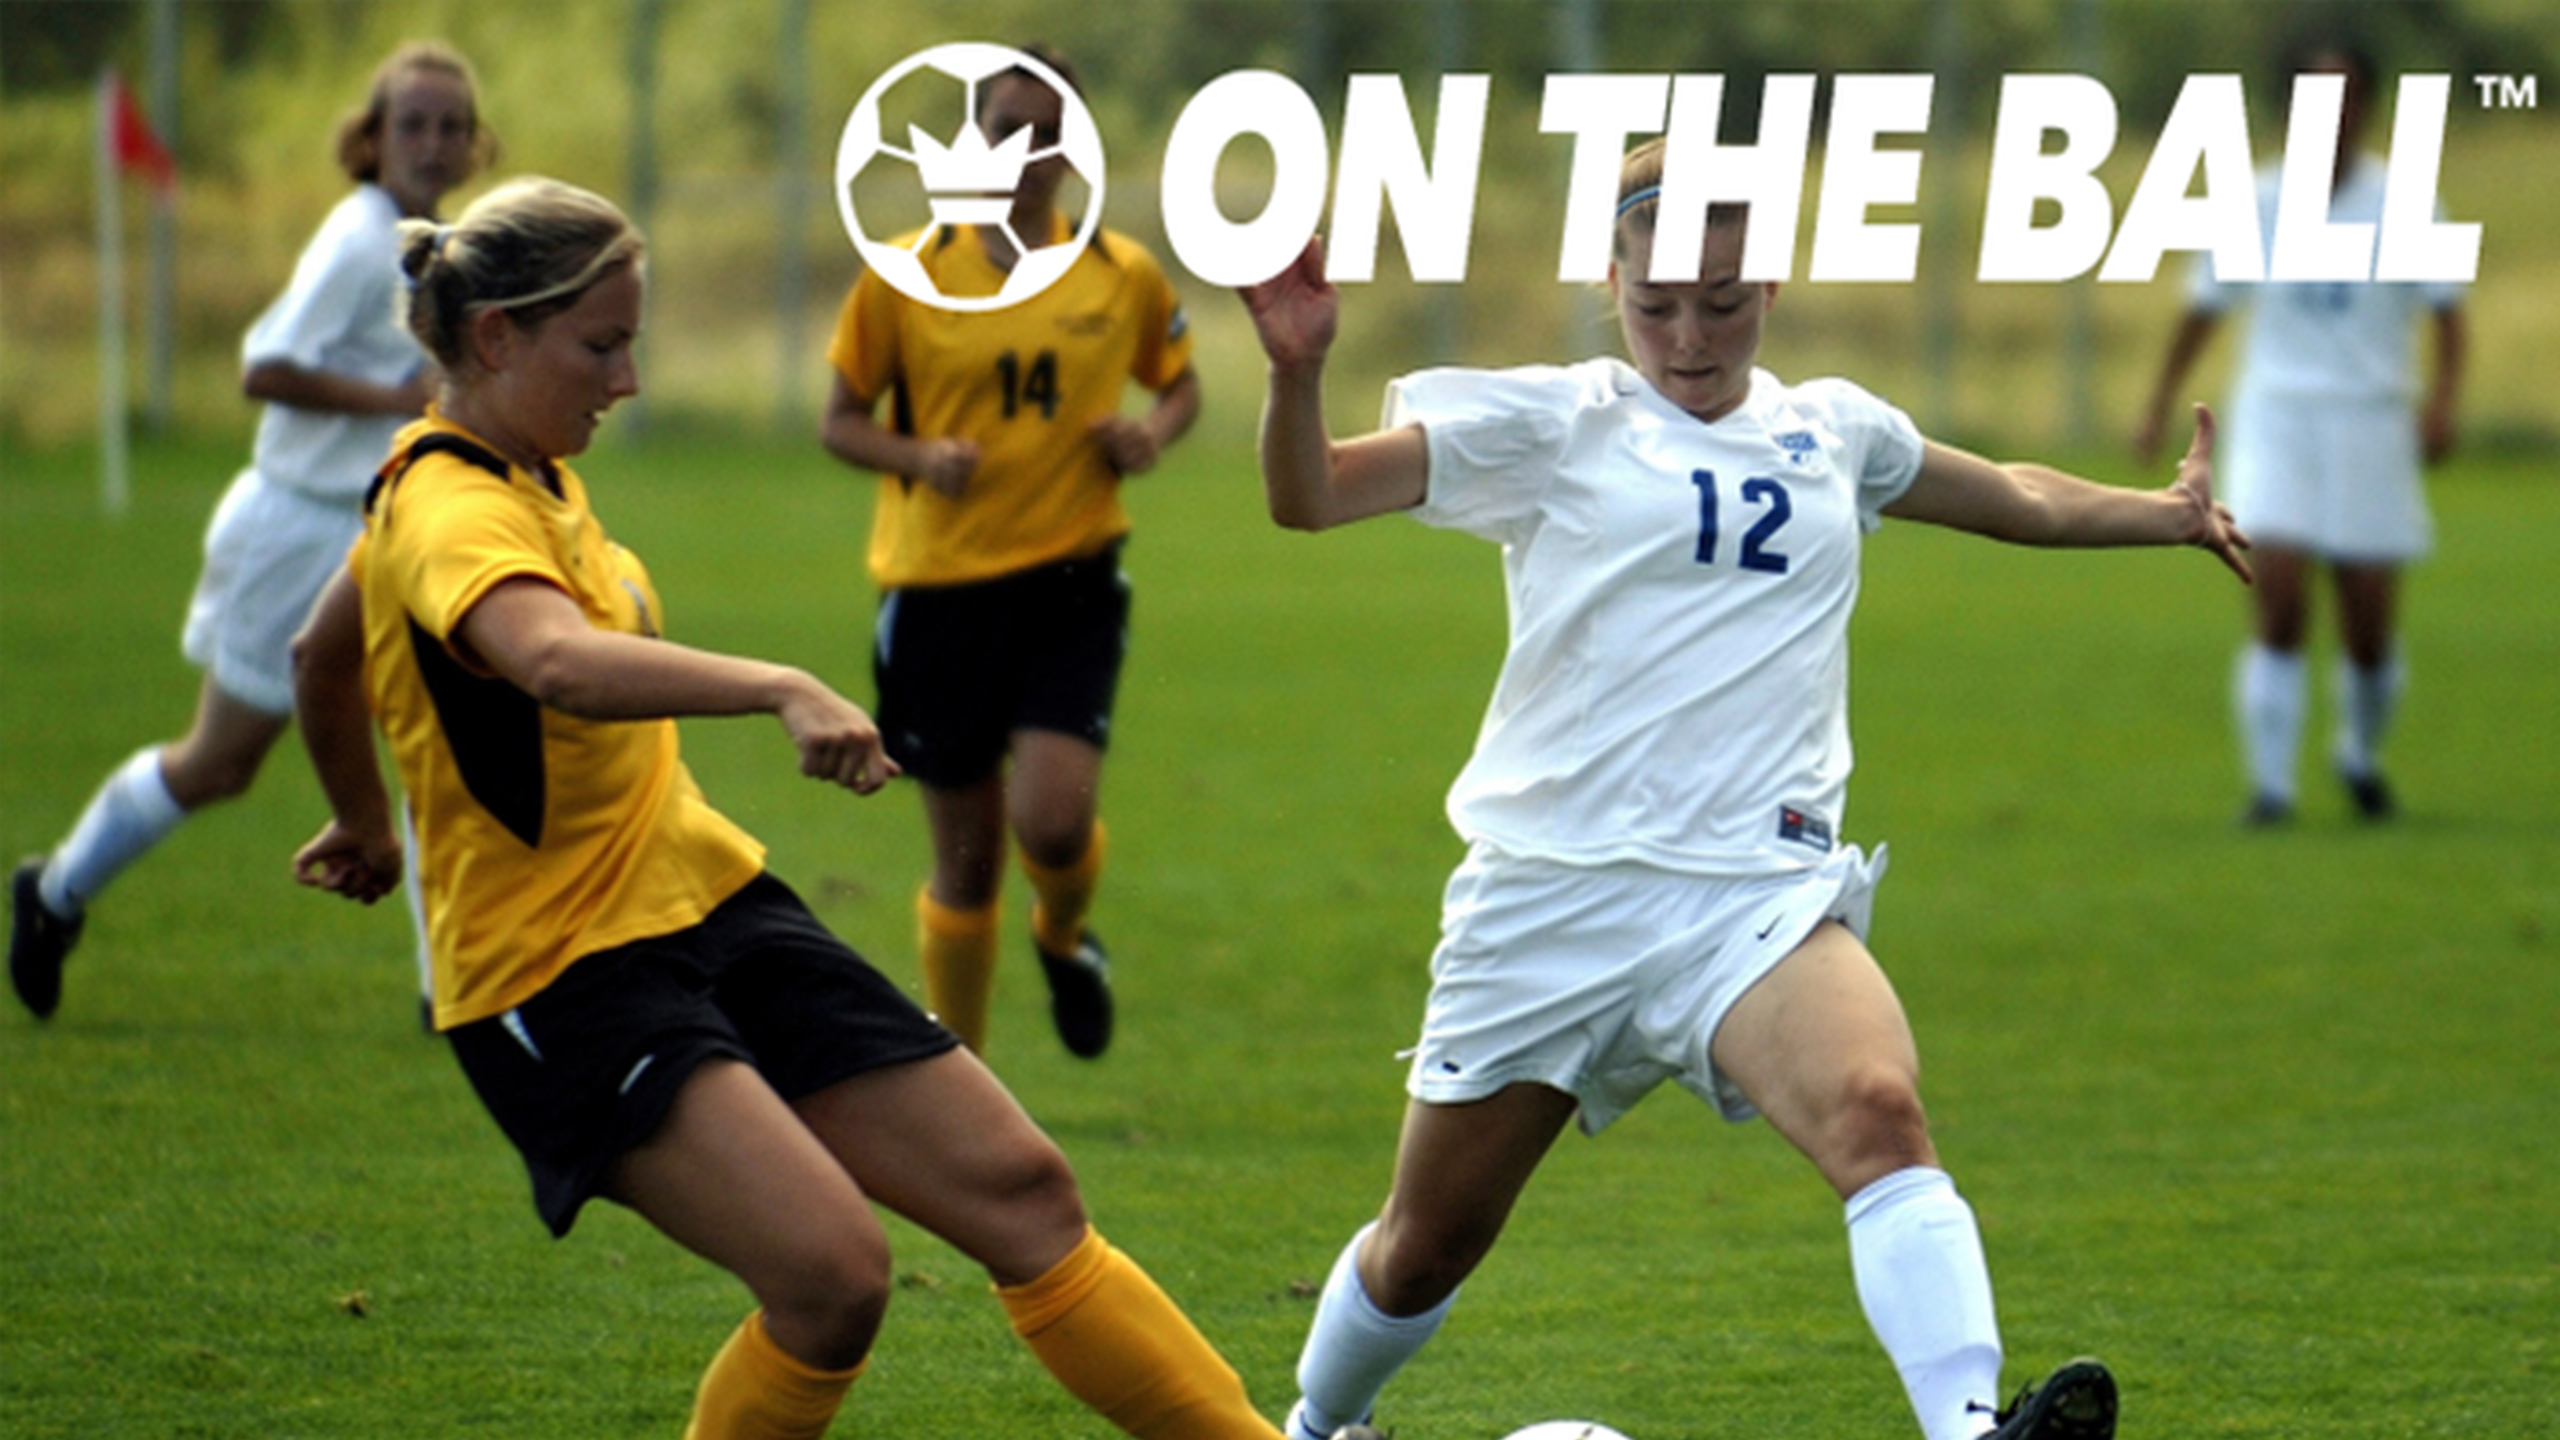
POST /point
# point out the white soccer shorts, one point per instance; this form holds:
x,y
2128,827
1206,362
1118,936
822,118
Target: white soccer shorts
x,y
1603,982
268,553
2338,478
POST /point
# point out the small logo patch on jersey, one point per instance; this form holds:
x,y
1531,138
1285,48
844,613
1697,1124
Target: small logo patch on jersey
x,y
1803,827
1800,445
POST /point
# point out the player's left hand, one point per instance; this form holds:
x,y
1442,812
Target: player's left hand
x,y
1127,443
364,868
2210,524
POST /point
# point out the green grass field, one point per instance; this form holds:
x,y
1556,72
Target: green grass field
x,y
2270,1121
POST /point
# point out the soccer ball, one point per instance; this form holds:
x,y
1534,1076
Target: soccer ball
x,y
1565,1430
966,178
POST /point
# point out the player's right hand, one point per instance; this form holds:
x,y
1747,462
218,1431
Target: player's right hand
x,y
948,464
1295,312
364,868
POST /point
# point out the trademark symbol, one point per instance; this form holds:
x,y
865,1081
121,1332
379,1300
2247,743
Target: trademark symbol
x,y
2506,92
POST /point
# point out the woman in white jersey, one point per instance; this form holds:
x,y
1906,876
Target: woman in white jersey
x,y
2328,440
1655,888
339,376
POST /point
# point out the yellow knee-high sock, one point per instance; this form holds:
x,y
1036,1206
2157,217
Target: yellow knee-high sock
x,y
957,949
755,1391
1066,896
1122,1346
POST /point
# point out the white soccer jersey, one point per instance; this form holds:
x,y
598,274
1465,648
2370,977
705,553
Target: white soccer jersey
x,y
1676,690
339,314
2330,341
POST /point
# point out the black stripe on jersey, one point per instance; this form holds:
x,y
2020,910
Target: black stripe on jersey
x,y
494,731
902,418
439,443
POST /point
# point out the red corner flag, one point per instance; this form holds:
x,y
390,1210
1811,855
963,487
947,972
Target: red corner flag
x,y
137,149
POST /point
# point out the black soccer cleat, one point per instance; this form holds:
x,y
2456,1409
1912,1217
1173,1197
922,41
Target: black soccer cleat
x,y
2267,811
2370,793
2076,1402
1080,996
39,941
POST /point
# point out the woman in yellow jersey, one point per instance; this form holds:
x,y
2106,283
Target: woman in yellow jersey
x,y
996,544
647,1014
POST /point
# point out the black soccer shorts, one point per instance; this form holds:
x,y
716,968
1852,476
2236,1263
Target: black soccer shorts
x,y
589,1068
960,668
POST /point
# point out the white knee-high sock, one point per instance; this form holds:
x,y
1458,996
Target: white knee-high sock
x,y
1353,1349
1927,1292
2367,699
2269,692
131,812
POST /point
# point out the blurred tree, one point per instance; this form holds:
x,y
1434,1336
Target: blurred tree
x,y
60,44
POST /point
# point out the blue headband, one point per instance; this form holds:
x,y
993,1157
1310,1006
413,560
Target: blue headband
x,y
1650,192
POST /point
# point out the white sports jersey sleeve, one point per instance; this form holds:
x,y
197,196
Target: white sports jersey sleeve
x,y
1503,429
1676,687
340,315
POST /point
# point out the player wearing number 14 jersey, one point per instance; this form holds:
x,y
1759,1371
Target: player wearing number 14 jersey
x,y
996,545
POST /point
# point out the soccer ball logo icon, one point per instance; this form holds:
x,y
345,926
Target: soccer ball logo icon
x,y
968,178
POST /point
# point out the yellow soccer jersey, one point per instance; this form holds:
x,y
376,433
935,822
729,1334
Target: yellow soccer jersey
x,y
542,836
1026,383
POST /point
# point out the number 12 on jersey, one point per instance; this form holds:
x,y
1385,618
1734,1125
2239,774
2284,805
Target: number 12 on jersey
x,y
1775,506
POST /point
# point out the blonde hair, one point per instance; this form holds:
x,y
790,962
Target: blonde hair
x,y
529,248
1640,198
360,133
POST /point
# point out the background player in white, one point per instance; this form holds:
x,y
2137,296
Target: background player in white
x,y
2327,435
339,376
1654,889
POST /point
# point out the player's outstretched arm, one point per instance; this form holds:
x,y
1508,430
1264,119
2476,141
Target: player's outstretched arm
x,y
357,854
2029,504
534,636
1311,482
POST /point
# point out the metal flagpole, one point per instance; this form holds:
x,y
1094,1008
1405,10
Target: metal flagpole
x,y
160,316
112,461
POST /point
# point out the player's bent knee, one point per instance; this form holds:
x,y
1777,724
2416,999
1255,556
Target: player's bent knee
x,y
1025,1190
1879,1123
1039,1182
1410,1272
828,1308
1056,843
